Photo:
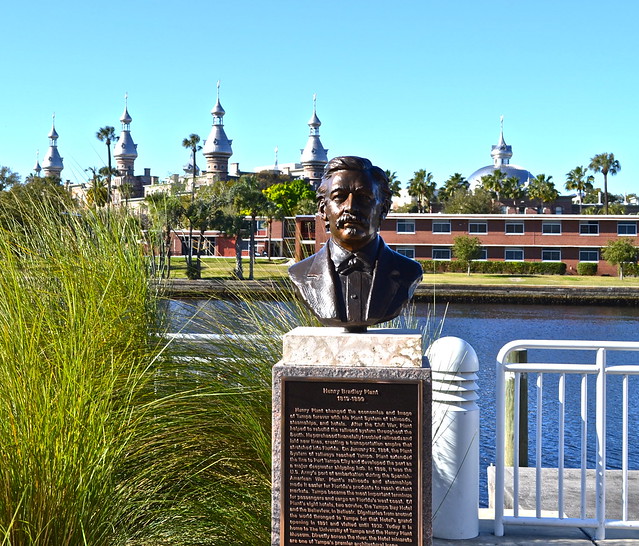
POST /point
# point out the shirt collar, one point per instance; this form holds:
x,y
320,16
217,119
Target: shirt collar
x,y
367,253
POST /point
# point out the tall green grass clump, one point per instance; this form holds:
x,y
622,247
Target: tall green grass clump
x,y
75,315
215,410
213,448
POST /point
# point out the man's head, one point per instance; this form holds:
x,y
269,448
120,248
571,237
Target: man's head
x,y
353,198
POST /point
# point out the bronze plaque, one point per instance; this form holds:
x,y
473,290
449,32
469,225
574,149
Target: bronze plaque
x,y
352,463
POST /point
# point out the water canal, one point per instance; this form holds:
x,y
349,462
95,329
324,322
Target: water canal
x,y
488,327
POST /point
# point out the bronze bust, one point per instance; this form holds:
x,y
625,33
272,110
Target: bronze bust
x,y
355,280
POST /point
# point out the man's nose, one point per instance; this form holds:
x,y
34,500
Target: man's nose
x,y
350,202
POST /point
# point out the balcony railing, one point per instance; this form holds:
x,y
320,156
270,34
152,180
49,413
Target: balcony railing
x,y
566,514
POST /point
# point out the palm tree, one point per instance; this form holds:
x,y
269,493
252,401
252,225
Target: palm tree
x,y
126,190
97,193
543,189
191,143
106,134
394,183
494,183
580,181
422,187
513,190
249,200
605,164
454,183
165,211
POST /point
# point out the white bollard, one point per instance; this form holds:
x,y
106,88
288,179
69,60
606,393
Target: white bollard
x,y
455,439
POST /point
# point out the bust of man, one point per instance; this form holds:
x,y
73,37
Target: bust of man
x,y
355,280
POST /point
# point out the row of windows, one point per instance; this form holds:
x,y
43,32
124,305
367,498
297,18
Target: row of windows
x,y
589,227
510,254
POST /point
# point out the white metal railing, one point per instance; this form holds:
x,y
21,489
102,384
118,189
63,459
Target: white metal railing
x,y
600,370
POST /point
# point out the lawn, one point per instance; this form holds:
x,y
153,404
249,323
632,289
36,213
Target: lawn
x,y
222,268
529,280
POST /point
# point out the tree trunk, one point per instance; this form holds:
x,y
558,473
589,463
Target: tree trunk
x,y
198,260
239,273
167,245
252,248
109,174
189,261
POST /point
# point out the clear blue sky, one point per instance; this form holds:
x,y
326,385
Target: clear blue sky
x,y
410,85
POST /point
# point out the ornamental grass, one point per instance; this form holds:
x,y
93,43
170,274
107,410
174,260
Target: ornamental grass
x,y
109,433
76,314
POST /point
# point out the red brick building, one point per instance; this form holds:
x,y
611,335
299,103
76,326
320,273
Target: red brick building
x,y
507,237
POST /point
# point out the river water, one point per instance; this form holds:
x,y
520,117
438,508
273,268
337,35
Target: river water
x,y
488,327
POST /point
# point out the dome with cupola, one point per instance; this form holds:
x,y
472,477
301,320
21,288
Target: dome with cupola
x,y
501,154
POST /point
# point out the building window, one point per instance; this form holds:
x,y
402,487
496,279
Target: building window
x,y
408,251
441,253
514,255
405,226
551,228
483,254
551,255
559,209
514,228
261,227
441,227
591,227
477,228
627,228
589,255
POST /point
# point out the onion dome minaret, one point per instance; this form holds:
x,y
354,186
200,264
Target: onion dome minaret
x,y
314,155
37,169
501,152
52,164
217,148
125,150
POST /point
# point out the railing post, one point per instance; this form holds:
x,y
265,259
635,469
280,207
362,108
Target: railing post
x,y
499,451
600,486
516,357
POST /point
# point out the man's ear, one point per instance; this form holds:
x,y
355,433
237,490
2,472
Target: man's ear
x,y
321,208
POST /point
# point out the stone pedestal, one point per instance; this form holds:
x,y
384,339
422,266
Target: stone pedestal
x,y
352,439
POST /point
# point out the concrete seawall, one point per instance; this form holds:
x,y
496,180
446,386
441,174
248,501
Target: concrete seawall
x,y
466,293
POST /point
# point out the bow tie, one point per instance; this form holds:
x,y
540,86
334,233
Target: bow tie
x,y
353,263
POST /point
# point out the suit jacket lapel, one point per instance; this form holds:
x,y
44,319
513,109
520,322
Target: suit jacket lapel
x,y
386,282
320,276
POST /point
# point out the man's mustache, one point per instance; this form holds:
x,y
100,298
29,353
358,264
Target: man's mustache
x,y
348,218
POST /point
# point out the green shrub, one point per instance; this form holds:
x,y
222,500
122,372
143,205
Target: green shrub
x,y
495,267
631,270
586,269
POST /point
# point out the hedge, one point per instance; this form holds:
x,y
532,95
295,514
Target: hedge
x,y
508,268
586,268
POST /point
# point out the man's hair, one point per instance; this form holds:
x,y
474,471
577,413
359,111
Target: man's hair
x,y
363,165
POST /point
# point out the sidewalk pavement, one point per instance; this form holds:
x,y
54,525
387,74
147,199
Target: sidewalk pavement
x,y
518,535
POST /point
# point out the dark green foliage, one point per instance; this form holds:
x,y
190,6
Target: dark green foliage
x,y
498,268
620,252
463,201
586,269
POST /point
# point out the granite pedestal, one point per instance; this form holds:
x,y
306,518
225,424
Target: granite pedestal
x,y
351,439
